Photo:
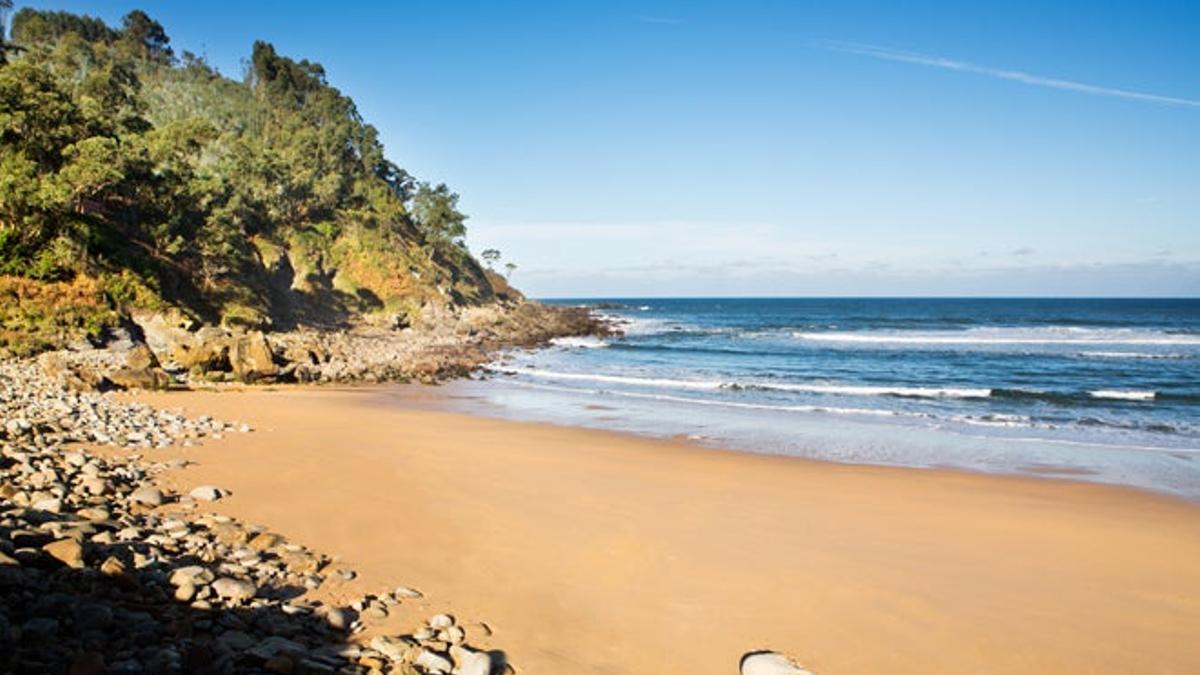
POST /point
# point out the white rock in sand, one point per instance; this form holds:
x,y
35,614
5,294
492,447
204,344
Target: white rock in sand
x,y
471,662
209,493
406,592
441,621
432,662
770,663
148,496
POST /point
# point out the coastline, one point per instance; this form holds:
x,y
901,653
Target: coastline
x,y
812,436
594,551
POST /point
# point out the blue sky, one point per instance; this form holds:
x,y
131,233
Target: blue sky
x,y
776,148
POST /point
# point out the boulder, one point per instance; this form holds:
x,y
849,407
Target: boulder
x,y
140,357
235,590
67,551
433,662
300,354
209,493
141,369
147,496
203,356
251,357
165,330
192,575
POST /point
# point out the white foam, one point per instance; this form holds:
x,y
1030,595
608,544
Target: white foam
x,y
615,379
1123,394
709,385
1049,335
863,390
763,406
581,342
1129,355
638,326
994,420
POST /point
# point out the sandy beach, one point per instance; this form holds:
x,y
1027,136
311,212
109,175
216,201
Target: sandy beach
x,y
596,552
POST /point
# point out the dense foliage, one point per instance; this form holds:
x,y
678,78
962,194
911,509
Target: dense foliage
x,y
266,201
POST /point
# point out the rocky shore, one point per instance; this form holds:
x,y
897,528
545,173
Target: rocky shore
x,y
103,571
157,350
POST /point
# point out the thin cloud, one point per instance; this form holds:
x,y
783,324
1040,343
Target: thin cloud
x,y
888,54
1025,250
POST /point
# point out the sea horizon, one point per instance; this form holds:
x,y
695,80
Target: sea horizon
x,y
627,298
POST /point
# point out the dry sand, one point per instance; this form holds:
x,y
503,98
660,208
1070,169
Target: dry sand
x,y
594,552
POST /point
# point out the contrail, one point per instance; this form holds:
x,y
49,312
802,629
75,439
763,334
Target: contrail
x,y
887,54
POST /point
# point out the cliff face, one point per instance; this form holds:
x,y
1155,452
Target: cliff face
x,y
146,180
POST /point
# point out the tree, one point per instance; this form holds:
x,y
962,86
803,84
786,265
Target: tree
x,y
509,268
30,26
116,158
490,257
6,47
438,218
147,37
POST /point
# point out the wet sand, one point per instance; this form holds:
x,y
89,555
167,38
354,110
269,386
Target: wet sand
x,y
596,552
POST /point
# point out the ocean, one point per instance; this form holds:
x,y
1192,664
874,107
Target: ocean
x,y
1093,389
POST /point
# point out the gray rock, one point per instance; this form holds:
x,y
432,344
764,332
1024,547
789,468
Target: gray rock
x,y
193,575
235,590
209,493
147,496
393,648
433,662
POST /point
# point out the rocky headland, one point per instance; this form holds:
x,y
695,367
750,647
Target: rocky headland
x,y
160,350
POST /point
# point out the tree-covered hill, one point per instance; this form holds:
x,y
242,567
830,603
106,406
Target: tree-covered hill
x,y
153,179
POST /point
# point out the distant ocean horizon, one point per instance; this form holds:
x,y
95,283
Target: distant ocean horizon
x,y
1104,389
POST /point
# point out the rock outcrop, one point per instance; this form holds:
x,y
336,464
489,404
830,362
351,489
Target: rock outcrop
x,y
442,344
